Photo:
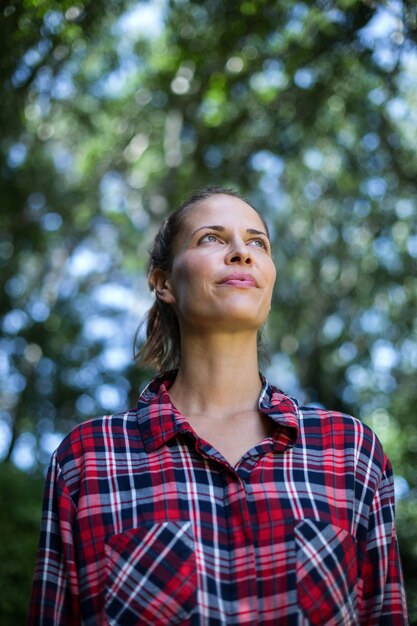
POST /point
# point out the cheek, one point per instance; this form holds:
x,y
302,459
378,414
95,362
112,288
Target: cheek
x,y
188,277
271,274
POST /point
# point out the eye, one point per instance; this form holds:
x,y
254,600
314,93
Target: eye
x,y
259,243
209,238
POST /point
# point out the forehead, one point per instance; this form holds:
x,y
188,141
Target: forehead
x,y
222,210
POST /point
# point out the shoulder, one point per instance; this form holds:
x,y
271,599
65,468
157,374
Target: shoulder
x,y
321,431
338,431
98,438
118,434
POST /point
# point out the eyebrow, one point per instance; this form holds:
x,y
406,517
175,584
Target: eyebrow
x,y
250,231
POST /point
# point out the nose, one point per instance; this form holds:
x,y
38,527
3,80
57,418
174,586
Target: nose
x,y
239,253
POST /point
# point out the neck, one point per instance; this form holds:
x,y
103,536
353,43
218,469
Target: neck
x,y
218,374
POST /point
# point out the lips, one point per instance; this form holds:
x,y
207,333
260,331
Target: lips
x,y
239,279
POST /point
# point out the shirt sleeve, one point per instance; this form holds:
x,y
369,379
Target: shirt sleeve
x,y
383,598
55,596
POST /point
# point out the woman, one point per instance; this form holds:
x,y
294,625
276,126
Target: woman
x,y
218,501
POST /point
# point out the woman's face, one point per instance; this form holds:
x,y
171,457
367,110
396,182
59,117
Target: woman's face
x,y
222,274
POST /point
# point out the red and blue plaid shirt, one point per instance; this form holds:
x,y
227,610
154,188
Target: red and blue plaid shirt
x,y
146,523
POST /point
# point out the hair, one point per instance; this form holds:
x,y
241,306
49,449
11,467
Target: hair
x,y
162,347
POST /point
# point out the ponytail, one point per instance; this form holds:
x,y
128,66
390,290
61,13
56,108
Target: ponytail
x,y
162,348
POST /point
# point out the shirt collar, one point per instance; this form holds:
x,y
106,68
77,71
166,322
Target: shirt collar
x,y
159,420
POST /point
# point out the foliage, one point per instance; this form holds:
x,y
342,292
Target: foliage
x,y
19,529
109,119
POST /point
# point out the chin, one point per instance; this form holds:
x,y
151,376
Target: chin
x,y
239,322
226,317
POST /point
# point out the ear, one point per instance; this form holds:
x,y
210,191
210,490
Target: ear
x,y
162,286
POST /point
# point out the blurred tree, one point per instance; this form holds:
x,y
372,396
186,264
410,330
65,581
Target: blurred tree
x,y
113,112
20,532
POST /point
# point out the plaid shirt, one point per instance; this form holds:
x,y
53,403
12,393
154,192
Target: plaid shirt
x,y
146,523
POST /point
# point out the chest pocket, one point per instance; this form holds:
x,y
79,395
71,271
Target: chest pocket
x,y
151,575
326,574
